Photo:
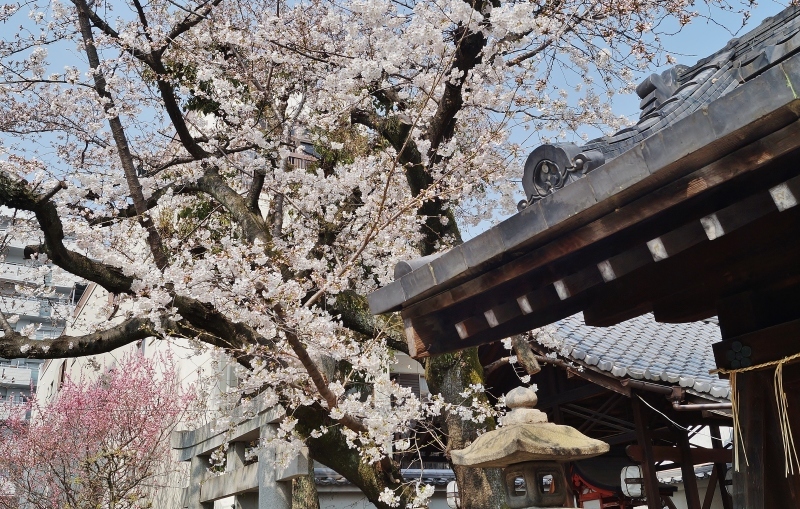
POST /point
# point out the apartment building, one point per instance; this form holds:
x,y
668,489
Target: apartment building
x,y
37,299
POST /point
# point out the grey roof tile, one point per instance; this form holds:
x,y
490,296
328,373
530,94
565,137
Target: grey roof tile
x,y
636,373
673,97
645,349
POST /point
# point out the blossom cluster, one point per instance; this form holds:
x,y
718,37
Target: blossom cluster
x,y
268,163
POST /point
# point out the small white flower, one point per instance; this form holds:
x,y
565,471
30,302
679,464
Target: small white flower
x,y
389,498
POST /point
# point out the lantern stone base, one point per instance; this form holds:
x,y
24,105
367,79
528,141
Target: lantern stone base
x,y
535,484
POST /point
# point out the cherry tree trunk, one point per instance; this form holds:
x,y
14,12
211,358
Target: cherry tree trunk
x,y
304,490
449,375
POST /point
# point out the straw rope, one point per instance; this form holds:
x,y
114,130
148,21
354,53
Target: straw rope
x,y
737,428
789,450
791,460
785,360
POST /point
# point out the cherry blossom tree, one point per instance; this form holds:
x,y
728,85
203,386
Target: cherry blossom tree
x,y
102,442
155,147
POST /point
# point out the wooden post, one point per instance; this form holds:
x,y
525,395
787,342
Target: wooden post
x,y
687,470
721,468
648,465
760,319
749,481
712,485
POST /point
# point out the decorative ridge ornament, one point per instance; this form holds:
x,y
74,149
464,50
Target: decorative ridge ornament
x,y
551,167
530,451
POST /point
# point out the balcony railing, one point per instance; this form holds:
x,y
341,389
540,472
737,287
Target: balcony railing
x,y
15,377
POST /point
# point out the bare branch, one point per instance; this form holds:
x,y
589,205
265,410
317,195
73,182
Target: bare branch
x,y
494,366
525,354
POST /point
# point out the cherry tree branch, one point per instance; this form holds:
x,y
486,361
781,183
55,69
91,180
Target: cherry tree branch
x,y
314,373
15,345
120,139
188,22
200,321
252,224
529,54
151,202
17,194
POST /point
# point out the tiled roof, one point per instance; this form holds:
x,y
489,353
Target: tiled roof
x,y
643,349
739,93
435,477
681,90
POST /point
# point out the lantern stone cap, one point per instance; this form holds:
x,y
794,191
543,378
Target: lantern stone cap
x,y
519,443
527,436
521,401
521,397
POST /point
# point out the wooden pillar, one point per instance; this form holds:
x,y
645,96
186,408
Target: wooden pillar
x,y
710,487
740,314
648,465
749,481
721,468
687,470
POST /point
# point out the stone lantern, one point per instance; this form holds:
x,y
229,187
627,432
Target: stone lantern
x,y
531,452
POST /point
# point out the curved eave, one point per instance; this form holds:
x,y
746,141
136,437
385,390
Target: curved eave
x,y
752,111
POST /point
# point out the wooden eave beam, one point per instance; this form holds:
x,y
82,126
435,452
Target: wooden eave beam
x,y
589,390
665,453
758,255
744,161
538,288
764,345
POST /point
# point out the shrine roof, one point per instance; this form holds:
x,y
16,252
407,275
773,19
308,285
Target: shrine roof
x,y
682,90
643,349
690,116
